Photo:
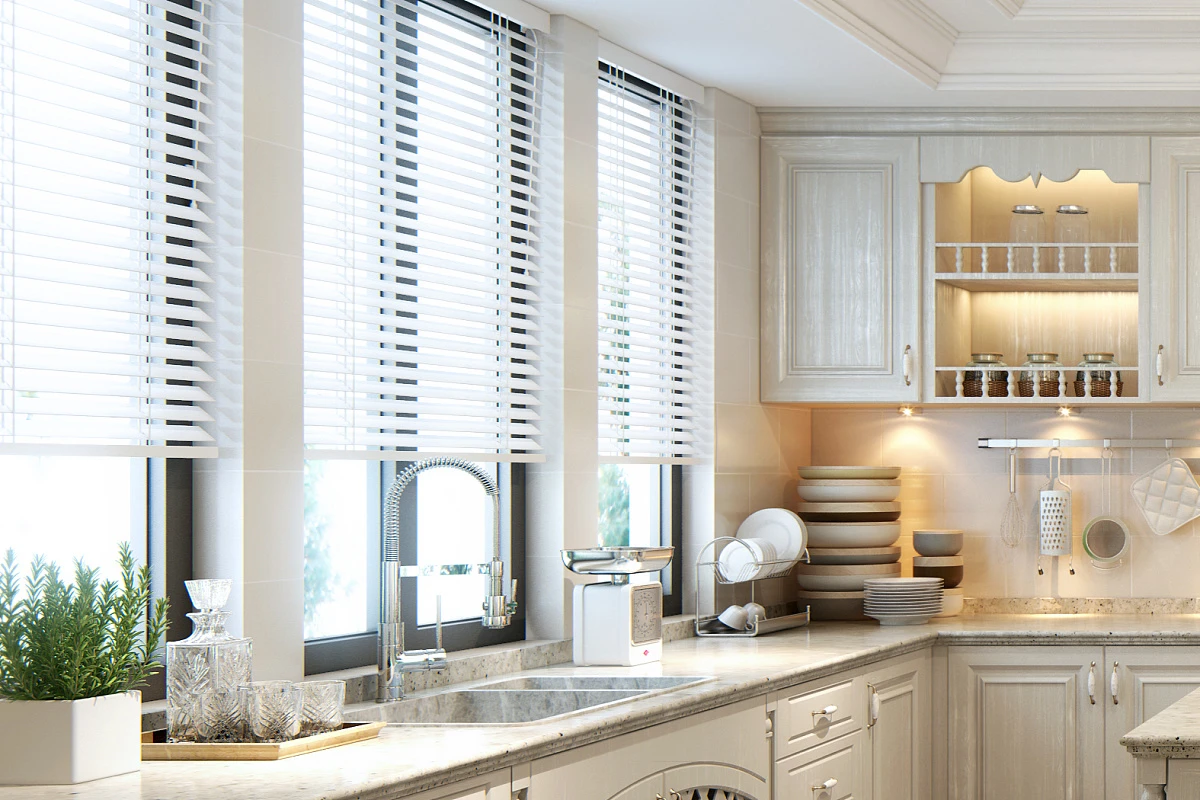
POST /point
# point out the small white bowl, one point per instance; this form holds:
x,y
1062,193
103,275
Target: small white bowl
x,y
735,617
754,611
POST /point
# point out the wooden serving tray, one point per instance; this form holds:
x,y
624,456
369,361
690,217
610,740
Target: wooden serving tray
x,y
155,746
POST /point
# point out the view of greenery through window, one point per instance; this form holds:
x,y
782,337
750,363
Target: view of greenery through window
x,y
630,505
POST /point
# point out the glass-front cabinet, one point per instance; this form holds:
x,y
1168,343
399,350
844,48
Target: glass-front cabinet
x,y
1035,273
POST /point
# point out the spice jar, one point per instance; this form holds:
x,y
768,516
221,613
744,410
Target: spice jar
x,y
1046,379
1027,227
1102,373
997,379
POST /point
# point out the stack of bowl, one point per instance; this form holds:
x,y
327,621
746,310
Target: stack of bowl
x,y
852,517
938,557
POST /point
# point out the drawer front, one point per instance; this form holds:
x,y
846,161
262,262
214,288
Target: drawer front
x,y
805,720
832,771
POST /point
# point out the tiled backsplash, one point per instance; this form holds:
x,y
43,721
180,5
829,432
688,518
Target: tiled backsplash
x,y
948,482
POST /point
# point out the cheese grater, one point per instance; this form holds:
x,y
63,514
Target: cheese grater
x,y
1055,512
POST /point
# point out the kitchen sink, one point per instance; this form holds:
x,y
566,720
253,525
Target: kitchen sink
x,y
588,682
518,701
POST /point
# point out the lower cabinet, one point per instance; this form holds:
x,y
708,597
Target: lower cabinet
x,y
1045,723
723,754
864,734
492,786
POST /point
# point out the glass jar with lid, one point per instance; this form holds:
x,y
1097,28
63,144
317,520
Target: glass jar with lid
x,y
997,379
1071,227
1027,227
1102,373
1046,379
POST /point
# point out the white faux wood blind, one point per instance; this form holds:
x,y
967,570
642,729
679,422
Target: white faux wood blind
x,y
420,231
646,314
102,192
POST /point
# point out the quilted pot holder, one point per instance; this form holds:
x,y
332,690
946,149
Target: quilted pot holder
x,y
1167,495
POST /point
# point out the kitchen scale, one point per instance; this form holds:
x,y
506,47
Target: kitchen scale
x,y
617,622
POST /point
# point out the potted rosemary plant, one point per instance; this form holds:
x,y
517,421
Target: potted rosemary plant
x,y
71,658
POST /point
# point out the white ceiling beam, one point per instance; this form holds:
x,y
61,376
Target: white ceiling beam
x,y
908,33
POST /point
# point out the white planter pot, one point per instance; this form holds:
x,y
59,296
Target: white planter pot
x,y
70,741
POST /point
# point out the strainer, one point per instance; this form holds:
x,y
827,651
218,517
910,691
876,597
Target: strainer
x,y
1055,512
1106,538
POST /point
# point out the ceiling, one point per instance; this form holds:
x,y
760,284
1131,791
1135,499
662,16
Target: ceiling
x,y
844,53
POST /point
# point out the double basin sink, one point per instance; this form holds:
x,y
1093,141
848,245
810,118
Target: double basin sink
x,y
520,700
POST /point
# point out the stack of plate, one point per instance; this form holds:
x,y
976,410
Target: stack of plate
x,y
852,518
902,601
772,540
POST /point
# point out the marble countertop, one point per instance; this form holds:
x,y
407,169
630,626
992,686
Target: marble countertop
x,y
407,760
1172,733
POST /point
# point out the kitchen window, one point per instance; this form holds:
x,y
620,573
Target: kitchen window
x,y
646,314
421,281
102,284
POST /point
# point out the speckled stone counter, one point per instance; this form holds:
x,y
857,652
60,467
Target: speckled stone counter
x,y
404,760
1171,733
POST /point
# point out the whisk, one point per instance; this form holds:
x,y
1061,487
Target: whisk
x,y
1012,524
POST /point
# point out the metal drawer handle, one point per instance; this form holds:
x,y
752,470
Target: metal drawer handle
x,y
827,711
826,786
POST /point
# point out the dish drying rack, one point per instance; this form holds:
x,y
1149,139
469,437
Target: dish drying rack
x,y
708,557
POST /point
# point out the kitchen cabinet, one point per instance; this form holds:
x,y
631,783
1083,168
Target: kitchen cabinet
x,y
830,771
1025,722
840,272
898,732
1175,268
726,749
1148,679
492,786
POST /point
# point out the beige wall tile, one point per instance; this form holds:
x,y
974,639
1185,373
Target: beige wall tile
x,y
851,437
732,369
747,439
737,302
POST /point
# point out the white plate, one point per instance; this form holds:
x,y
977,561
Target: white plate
x,y
907,608
848,491
907,582
744,562
843,473
781,527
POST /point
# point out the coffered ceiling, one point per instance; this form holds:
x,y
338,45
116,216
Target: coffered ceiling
x,y
917,52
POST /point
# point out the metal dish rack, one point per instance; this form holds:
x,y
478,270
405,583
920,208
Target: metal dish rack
x,y
749,573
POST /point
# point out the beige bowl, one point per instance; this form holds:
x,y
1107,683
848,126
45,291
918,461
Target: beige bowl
x,y
841,577
854,555
938,543
833,605
848,491
852,534
849,512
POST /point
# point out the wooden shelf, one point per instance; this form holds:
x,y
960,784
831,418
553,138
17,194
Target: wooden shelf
x,y
1041,282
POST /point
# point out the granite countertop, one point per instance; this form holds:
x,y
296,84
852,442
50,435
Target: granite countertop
x,y
406,760
1172,733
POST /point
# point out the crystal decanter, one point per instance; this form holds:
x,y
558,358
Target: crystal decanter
x,y
205,666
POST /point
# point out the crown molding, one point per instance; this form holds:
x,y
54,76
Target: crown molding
x,y
1016,121
907,33
1009,8
1104,10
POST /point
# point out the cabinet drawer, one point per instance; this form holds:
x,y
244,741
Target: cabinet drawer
x,y
832,771
801,721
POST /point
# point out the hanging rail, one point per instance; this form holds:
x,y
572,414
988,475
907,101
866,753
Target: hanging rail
x,y
1064,444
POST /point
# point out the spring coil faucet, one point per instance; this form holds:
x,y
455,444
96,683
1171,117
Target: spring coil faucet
x,y
498,610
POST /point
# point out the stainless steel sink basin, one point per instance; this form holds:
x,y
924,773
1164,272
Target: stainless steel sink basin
x,y
518,701
574,682
490,707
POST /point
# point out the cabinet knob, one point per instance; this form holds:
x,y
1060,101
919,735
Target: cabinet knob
x,y
827,711
907,361
826,786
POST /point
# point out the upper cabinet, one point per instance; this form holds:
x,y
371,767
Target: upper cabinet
x,y
1174,317
1035,274
840,272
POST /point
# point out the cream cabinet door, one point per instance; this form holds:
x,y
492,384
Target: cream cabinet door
x,y
492,786
840,269
1174,317
830,771
899,739
1148,679
713,782
1022,723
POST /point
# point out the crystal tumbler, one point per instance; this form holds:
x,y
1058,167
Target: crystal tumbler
x,y
220,717
322,710
273,710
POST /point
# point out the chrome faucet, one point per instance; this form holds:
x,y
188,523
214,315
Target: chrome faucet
x,y
498,610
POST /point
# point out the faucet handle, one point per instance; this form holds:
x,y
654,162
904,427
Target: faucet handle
x,y
511,605
439,622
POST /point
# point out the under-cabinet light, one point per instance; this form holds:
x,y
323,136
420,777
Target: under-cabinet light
x,y
1067,411
909,411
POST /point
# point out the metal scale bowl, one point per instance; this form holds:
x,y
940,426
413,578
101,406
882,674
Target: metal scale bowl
x,y
616,622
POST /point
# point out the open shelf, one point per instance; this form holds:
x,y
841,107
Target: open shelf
x,y
1049,282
